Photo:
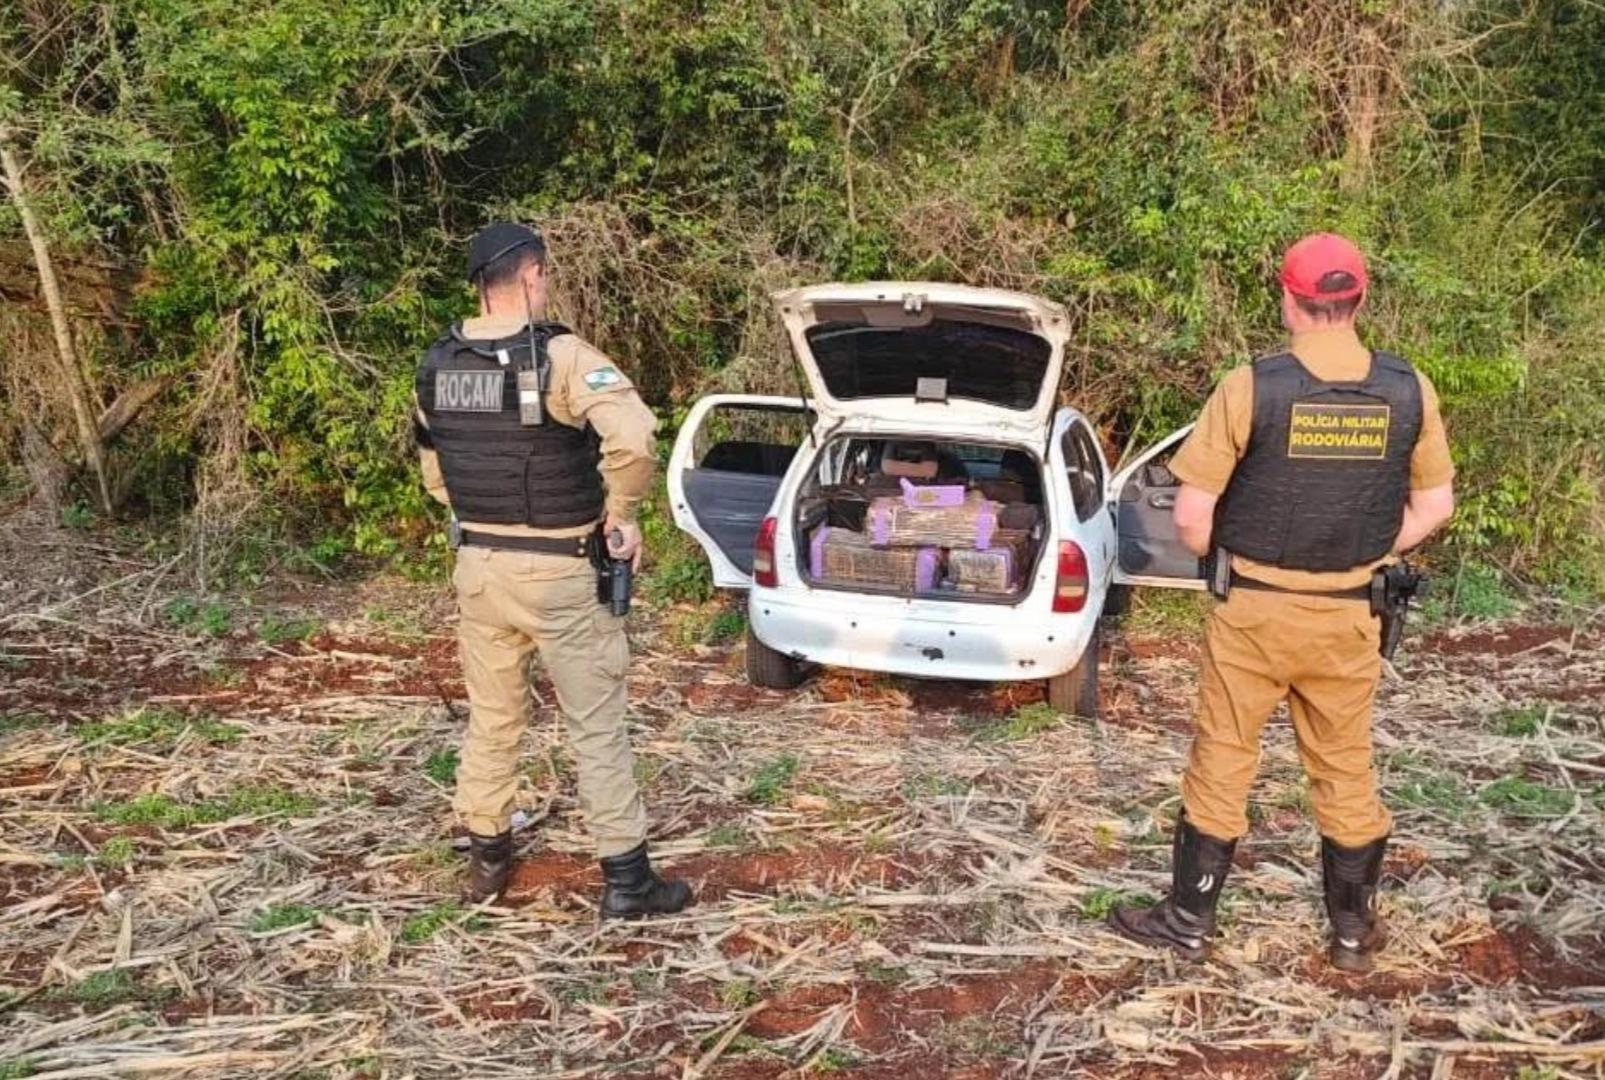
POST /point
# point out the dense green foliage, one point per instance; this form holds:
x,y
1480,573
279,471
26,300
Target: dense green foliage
x,y
291,183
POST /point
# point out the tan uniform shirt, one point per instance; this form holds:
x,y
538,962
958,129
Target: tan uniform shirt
x,y
1211,453
612,407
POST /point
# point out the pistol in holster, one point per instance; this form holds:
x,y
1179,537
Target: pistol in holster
x,y
1393,588
1216,570
615,578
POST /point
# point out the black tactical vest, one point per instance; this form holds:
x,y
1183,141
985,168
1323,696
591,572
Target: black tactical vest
x,y
1324,481
498,471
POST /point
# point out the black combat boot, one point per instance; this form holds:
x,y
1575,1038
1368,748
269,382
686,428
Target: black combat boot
x,y
1184,920
631,889
490,858
1351,876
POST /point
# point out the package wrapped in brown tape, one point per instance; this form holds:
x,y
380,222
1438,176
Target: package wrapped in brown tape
x,y
846,557
998,569
971,524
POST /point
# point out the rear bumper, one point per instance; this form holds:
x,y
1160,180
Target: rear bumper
x,y
983,642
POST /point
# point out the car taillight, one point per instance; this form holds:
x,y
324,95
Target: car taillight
x,y
763,555
1070,587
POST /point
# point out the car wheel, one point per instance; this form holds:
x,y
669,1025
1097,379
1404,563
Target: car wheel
x,y
1076,691
771,669
1117,602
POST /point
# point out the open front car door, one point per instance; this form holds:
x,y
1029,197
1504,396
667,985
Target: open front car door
x,y
1143,498
728,464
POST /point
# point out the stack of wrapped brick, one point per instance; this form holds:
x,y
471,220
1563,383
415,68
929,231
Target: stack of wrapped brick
x,y
931,536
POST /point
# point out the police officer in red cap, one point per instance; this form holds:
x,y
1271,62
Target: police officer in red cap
x,y
1309,470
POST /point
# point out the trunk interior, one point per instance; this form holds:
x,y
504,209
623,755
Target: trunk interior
x,y
931,518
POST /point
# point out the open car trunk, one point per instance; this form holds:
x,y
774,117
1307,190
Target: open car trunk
x,y
928,518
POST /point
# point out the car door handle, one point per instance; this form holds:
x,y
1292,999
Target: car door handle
x,y
1162,500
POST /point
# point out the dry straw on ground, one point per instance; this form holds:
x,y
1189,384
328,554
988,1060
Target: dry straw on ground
x,y
226,851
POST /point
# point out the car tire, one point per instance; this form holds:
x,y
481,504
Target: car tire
x,y
1076,691
771,669
1117,602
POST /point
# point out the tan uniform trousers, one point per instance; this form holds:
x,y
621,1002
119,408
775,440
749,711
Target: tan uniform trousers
x,y
512,603
1321,655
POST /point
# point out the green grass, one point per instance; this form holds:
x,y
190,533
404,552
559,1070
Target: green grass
x,y
1100,902
11,722
211,617
1520,797
155,727
398,624
833,1060
738,994
680,576
100,990
1521,721
79,516
17,1068
933,785
885,974
419,928
728,835
1166,612
769,783
165,812
1479,593
278,629
442,766
283,916
726,626
1025,722
1441,792
116,853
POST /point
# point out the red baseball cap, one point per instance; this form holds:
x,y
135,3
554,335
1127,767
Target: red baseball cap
x,y
1316,256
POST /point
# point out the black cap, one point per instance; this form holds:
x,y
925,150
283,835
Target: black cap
x,y
494,241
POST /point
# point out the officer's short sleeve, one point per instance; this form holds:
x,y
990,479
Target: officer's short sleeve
x,y
1430,463
1210,454
591,374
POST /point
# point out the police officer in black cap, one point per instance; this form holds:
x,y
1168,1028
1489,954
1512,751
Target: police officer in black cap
x,y
543,450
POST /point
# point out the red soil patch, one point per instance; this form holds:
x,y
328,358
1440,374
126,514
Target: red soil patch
x,y
1404,861
1518,954
1587,693
24,968
725,696
767,871
882,1013
555,871
1225,1065
1180,647
1500,641
22,883
25,777
503,1005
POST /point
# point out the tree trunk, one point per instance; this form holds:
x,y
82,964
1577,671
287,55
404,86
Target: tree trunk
x,y
88,433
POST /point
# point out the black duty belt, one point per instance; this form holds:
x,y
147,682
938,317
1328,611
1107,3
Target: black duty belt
x,y
578,547
1359,592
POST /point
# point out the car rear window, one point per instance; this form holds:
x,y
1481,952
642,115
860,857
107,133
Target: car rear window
x,y
999,365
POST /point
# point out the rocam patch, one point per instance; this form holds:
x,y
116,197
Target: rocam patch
x,y
603,377
469,391
1353,432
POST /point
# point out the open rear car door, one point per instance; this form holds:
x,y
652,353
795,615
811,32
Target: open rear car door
x,y
1143,497
726,468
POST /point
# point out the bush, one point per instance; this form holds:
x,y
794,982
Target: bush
x,y
297,239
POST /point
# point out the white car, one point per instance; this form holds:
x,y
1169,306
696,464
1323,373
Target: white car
x,y
974,373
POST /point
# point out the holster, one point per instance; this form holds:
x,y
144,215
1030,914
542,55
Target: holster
x,y
1393,587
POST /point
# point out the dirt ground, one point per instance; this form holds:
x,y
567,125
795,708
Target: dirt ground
x,y
226,848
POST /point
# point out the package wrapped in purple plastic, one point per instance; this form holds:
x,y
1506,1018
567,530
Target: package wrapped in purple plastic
x,y
994,570
847,557
892,522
